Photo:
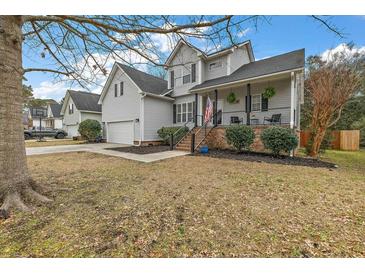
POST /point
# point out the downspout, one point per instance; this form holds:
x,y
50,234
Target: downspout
x,y
141,119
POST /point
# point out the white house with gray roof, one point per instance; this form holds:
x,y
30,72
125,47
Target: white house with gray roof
x,y
77,107
136,104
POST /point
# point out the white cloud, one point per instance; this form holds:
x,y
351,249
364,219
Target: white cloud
x,y
342,48
243,32
47,89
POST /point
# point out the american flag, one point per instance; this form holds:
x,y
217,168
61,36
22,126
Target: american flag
x,y
208,111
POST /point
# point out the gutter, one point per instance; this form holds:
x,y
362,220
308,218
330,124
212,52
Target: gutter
x,y
243,80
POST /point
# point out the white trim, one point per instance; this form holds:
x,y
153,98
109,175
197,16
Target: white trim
x,y
162,97
141,120
256,94
229,64
89,111
177,47
244,80
200,71
292,99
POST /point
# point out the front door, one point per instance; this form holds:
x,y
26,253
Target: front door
x,y
220,109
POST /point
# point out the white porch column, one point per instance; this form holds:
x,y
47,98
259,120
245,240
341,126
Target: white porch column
x,y
200,109
292,100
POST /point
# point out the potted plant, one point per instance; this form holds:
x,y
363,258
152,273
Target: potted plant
x,y
231,98
269,92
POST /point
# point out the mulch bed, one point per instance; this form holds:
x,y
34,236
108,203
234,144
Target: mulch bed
x,y
267,158
141,149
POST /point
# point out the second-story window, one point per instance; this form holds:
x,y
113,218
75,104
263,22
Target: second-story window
x,y
186,79
193,73
172,79
71,109
115,90
215,65
121,88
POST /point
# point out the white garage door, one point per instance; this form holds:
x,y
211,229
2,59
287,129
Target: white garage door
x,y
73,131
120,132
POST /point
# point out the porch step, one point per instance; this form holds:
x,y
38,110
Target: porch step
x,y
185,143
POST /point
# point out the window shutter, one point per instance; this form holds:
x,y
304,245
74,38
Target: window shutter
x,y
121,88
174,113
172,79
264,103
193,73
115,90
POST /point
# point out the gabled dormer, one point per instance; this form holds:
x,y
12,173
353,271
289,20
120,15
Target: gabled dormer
x,y
188,66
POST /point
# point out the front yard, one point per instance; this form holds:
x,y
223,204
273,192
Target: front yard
x,y
191,207
52,142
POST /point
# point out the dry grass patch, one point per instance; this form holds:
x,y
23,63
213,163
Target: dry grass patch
x,y
188,207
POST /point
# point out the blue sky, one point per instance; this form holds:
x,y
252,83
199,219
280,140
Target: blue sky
x,y
282,34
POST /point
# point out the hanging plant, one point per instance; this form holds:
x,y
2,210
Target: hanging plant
x,y
231,98
269,92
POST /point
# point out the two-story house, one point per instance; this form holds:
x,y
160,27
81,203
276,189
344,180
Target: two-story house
x,y
136,104
77,107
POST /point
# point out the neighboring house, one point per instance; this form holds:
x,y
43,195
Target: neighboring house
x,y
54,117
37,112
37,116
135,107
77,107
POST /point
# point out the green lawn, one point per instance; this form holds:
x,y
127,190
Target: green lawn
x,y
191,207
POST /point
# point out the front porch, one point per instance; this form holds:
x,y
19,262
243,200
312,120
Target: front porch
x,y
249,106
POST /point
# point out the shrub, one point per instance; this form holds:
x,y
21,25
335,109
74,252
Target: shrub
x,y
90,129
165,133
278,139
240,137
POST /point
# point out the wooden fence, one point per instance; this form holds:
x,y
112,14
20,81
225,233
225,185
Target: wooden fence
x,y
341,139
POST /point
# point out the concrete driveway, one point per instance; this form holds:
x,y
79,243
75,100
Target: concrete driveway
x,y
101,148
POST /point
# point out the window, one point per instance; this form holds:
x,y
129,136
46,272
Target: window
x,y
215,65
121,88
178,120
193,73
184,112
190,111
115,90
186,79
71,108
256,102
172,79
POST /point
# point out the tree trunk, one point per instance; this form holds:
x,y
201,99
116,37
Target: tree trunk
x,y
15,180
317,141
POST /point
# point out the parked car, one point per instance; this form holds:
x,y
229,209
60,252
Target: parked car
x,y
44,132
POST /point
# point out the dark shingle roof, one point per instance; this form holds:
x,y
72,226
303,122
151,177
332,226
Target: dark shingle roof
x,y
287,61
146,82
56,109
86,101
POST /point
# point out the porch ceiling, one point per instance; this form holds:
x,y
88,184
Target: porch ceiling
x,y
273,77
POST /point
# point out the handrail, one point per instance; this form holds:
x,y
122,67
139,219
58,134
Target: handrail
x,y
187,133
215,115
183,126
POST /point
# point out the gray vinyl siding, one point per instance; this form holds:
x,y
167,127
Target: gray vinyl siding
x,y
238,58
71,119
121,108
92,116
181,65
157,113
217,72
